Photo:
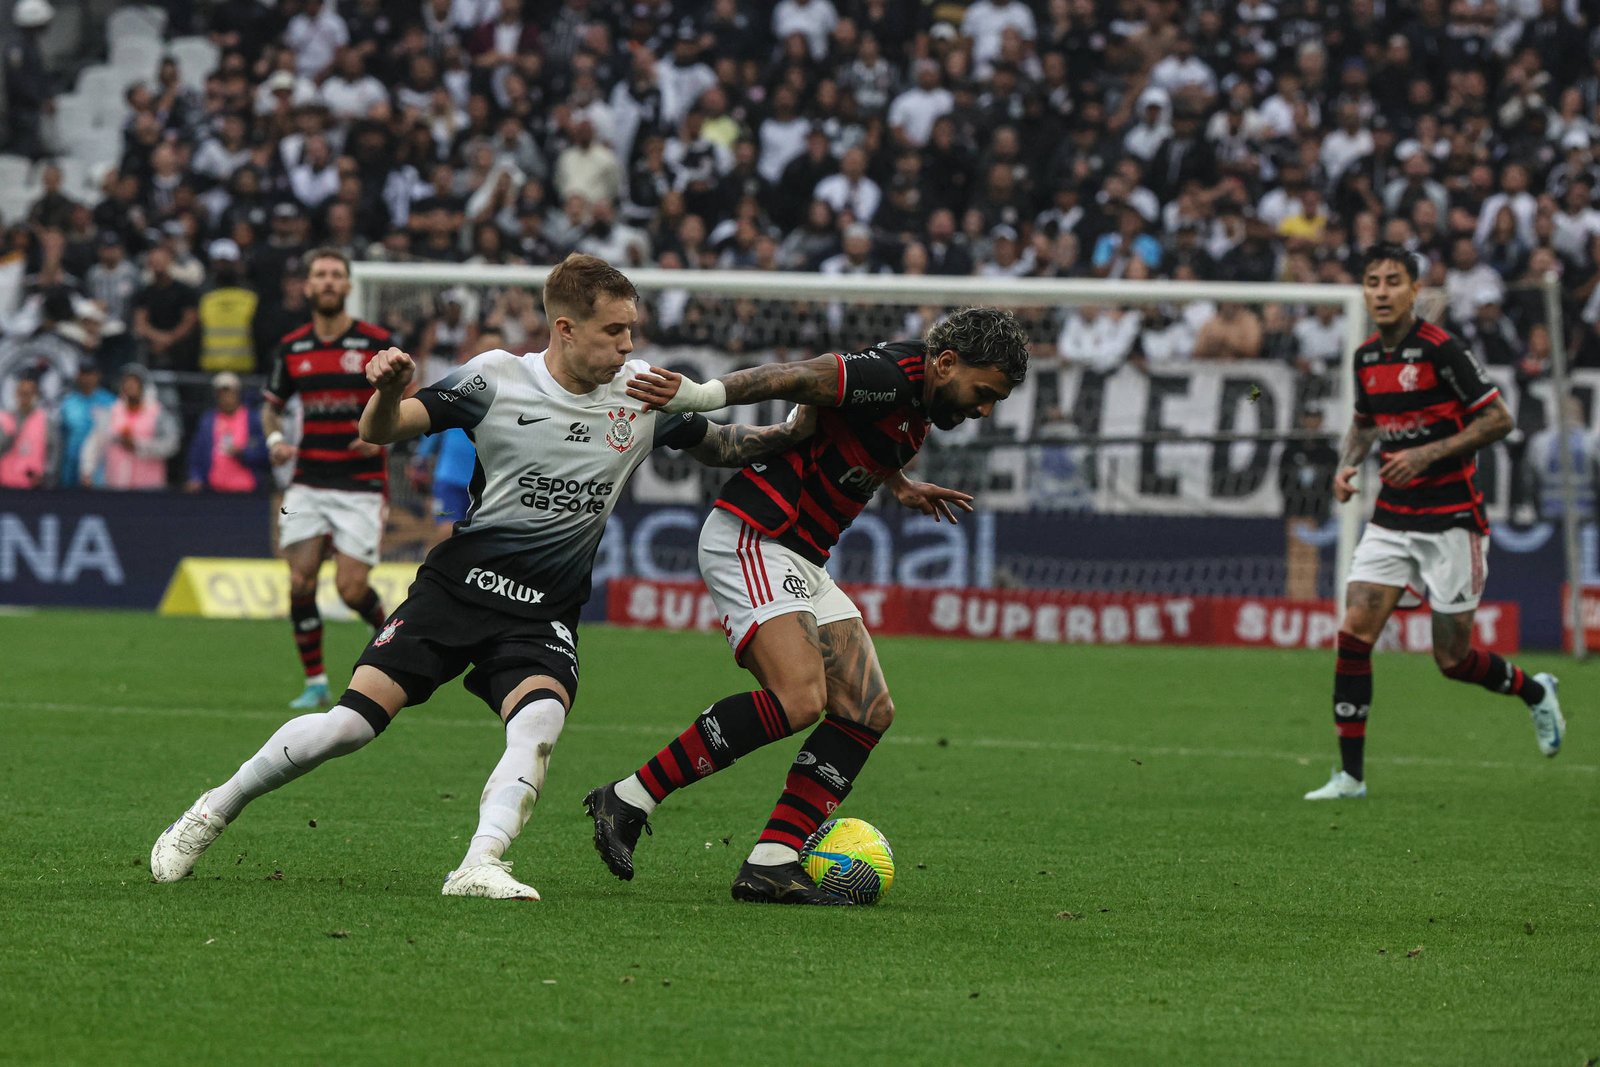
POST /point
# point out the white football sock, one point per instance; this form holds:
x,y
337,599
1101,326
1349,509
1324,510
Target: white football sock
x,y
300,745
771,854
512,790
632,791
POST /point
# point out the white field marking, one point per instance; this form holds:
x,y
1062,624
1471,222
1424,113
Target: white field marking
x,y
1091,748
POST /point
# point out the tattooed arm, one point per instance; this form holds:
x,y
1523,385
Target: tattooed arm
x,y
1353,453
811,381
737,445
1492,423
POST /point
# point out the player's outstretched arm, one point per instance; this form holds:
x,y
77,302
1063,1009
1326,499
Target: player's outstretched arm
x,y
928,498
390,415
737,445
811,381
1358,441
1490,424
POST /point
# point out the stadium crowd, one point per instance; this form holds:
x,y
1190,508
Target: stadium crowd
x,y
1248,140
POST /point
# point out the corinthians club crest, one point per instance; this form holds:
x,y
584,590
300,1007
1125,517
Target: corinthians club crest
x,y
620,435
387,633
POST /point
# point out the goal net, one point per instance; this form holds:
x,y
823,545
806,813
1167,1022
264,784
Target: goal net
x,y
1171,437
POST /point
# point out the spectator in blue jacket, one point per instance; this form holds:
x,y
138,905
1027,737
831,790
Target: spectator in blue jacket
x,y
79,411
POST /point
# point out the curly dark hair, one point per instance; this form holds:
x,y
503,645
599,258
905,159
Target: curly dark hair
x,y
1389,252
983,337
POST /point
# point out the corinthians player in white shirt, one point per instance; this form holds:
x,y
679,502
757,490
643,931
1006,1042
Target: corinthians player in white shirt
x,y
557,439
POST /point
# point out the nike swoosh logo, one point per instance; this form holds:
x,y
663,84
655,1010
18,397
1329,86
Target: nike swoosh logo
x,y
844,862
521,421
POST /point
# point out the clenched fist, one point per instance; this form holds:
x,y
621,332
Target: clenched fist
x,y
391,370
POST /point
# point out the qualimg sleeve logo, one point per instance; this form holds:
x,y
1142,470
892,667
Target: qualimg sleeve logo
x,y
475,384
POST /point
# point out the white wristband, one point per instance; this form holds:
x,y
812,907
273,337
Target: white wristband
x,y
692,396
274,439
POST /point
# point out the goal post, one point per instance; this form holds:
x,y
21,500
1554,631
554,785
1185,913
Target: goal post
x,y
883,302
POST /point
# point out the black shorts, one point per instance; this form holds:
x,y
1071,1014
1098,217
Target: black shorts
x,y
432,637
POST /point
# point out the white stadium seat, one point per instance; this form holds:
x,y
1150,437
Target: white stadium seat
x,y
75,113
137,58
196,58
98,82
135,20
14,171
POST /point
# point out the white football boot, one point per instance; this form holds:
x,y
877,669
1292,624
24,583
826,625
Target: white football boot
x,y
491,878
1340,787
1549,725
180,844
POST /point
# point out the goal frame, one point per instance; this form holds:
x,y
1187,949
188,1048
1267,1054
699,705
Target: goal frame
x,y
948,291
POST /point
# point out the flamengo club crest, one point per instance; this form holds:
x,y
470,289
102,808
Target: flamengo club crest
x,y
620,435
1408,377
387,633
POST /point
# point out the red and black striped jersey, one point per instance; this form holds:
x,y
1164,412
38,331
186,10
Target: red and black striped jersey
x,y
805,497
1425,389
331,380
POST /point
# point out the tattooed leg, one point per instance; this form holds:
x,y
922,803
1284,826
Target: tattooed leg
x,y
1367,607
786,657
835,753
1458,660
856,689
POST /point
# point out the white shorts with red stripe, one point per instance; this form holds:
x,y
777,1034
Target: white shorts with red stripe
x,y
753,579
1452,565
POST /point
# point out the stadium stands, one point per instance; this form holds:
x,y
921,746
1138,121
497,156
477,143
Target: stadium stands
x,y
1100,138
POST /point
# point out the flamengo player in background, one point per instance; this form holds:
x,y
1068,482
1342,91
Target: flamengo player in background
x,y
557,439
1422,395
339,479
762,553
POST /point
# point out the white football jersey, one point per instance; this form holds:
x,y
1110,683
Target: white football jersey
x,y
551,465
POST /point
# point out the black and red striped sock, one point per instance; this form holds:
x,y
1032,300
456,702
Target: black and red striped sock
x,y
1497,675
823,773
732,727
370,609
1352,700
307,622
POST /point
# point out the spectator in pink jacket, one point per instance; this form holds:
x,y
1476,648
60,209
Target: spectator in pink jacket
x,y
135,437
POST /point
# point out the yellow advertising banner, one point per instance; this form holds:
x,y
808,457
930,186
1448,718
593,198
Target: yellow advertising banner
x,y
216,588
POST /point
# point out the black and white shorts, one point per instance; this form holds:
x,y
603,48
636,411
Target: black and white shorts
x,y
433,636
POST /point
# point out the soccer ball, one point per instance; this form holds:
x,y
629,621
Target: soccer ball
x,y
851,858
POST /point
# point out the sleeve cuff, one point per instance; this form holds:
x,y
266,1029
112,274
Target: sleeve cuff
x,y
1485,399
839,400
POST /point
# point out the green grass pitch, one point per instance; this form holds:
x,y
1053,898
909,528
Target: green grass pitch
x,y
1103,858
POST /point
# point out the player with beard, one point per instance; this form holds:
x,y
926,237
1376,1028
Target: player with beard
x,y
762,555
339,480
1424,399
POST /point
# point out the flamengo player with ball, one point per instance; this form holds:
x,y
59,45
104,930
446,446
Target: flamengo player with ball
x,y
557,439
762,554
